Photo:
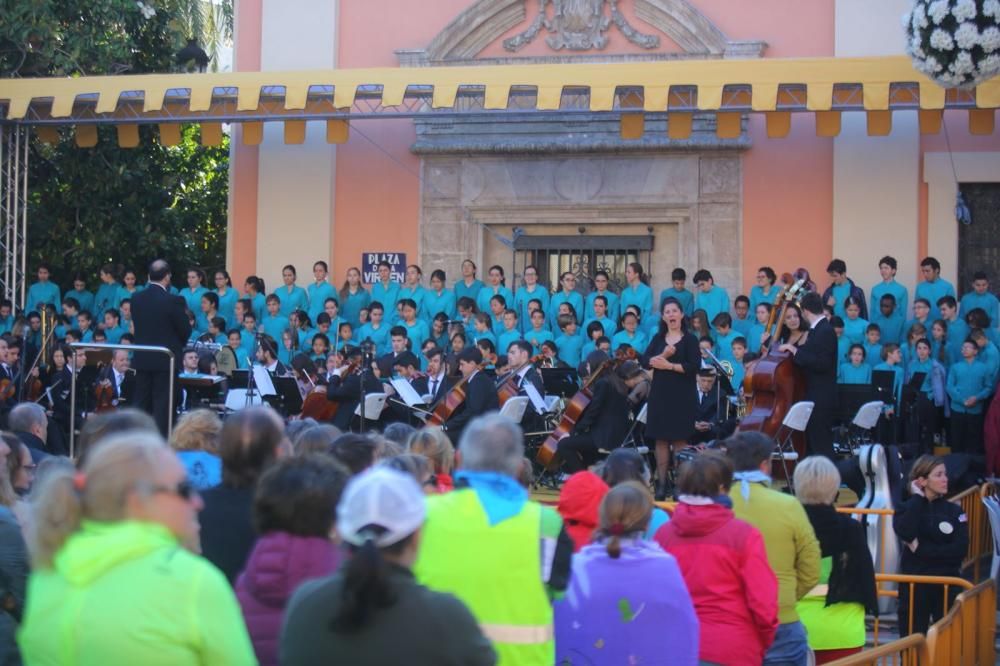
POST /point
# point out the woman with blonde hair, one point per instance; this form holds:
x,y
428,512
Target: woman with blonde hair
x,y
834,611
432,443
626,601
107,554
195,438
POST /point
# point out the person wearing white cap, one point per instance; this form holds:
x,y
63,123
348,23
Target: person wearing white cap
x,y
372,611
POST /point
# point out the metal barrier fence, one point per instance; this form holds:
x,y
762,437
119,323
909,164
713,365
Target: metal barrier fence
x,y
909,651
966,635
980,532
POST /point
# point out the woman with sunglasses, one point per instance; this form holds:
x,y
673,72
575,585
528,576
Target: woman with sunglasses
x,y
108,562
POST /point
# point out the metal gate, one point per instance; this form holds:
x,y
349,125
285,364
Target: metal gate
x,y
583,256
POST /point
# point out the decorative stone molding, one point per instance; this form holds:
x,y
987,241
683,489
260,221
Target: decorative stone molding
x,y
579,25
485,21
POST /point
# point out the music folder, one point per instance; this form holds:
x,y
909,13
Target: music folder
x,y
406,391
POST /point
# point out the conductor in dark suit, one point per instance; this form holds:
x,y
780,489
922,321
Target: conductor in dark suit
x,y
818,359
480,393
159,320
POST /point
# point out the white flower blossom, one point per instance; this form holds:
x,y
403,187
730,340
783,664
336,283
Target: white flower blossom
x,y
907,20
932,64
990,65
992,8
147,11
938,10
941,40
989,39
920,16
964,10
967,35
963,63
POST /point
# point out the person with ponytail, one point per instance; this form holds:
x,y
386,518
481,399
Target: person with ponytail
x,y
626,602
724,564
111,582
372,610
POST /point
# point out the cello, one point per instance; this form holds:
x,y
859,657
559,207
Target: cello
x,y
775,383
507,387
576,406
316,405
453,399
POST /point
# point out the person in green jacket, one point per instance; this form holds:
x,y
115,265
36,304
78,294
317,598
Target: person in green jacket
x,y
792,548
112,582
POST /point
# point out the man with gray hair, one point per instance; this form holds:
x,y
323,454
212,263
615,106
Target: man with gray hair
x,y
487,543
30,423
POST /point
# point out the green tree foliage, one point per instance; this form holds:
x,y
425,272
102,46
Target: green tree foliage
x,y
91,206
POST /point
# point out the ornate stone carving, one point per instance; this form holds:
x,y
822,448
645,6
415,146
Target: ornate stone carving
x,y
579,25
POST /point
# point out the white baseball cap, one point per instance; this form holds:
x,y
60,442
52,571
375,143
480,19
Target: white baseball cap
x,y
380,504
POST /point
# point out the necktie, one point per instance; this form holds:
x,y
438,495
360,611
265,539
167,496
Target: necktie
x,y
434,386
702,399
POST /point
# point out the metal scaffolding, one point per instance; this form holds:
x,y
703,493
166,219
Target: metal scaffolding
x,y
13,211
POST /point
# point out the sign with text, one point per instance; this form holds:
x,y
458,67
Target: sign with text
x,y
371,260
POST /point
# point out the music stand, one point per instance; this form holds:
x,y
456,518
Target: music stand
x,y
240,379
884,382
563,382
288,398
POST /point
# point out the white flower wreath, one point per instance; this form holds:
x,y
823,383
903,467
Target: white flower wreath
x,y
954,42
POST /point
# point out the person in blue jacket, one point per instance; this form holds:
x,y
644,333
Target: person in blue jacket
x,y
968,387
567,294
79,291
320,290
109,293
958,330
765,291
889,287
638,293
293,297
43,291
889,319
842,288
678,278
496,286
856,371
709,297
934,287
413,290
980,297
439,299
602,283
531,290
353,297
469,286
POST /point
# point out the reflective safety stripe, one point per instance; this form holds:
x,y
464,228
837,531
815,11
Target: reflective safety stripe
x,y
518,634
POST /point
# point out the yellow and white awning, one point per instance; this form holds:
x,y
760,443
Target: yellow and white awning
x,y
729,88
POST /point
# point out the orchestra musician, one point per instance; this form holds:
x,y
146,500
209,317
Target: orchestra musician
x,y
480,393
604,423
406,366
711,421
346,388
435,382
817,357
118,377
522,372
267,356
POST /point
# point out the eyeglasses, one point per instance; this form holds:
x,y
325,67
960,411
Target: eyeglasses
x,y
184,489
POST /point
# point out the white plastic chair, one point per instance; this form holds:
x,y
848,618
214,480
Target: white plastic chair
x,y
868,414
374,404
514,408
641,418
993,510
795,421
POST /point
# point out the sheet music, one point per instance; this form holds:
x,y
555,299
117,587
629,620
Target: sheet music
x,y
406,392
537,401
262,378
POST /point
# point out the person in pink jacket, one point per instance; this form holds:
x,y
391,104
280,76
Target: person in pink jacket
x,y
724,564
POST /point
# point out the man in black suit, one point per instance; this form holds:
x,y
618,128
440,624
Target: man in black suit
x,y
159,320
709,419
480,393
818,359
435,382
525,373
117,376
400,343
347,390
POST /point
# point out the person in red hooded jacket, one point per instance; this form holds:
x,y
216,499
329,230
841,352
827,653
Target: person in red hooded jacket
x,y
579,502
724,564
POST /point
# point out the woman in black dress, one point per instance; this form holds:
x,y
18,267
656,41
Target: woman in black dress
x,y
674,358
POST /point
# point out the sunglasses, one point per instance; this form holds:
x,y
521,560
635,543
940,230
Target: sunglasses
x,y
184,489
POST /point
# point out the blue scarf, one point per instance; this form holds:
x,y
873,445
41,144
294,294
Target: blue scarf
x,y
748,477
502,497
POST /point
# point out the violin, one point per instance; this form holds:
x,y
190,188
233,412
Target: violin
x,y
7,388
507,386
452,400
317,406
576,406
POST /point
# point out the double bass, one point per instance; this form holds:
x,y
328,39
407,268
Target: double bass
x,y
774,383
576,406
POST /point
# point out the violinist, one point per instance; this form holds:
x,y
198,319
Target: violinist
x,y
604,423
62,386
435,382
521,373
817,357
268,357
406,366
118,378
480,393
345,387
399,342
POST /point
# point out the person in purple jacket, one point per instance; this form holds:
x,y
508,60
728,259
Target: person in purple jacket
x,y
294,514
627,602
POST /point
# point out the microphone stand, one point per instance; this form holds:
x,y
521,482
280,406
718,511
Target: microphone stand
x,y
251,382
